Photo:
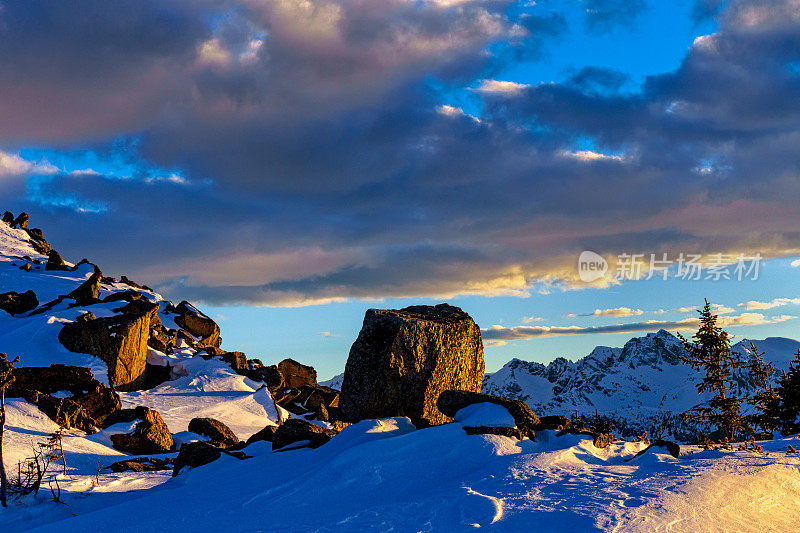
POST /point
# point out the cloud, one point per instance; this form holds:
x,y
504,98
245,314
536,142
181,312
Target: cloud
x,y
500,87
777,302
604,15
617,312
327,334
323,166
502,334
529,319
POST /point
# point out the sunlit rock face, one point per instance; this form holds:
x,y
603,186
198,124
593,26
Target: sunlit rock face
x,y
403,359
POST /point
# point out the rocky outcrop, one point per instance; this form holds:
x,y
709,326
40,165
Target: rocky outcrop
x,y
296,430
88,292
55,262
218,433
38,241
8,217
90,403
15,303
316,400
142,464
403,359
21,222
296,375
452,401
266,434
151,434
198,324
194,454
120,341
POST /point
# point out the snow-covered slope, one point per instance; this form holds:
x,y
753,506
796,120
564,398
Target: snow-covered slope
x,y
639,384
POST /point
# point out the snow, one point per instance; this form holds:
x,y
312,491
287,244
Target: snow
x,y
485,414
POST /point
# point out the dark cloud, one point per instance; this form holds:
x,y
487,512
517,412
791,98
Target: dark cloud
x,y
316,163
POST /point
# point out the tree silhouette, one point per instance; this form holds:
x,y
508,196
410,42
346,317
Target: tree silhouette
x,y
710,354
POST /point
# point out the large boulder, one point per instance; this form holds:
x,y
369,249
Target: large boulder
x,y
218,433
55,262
198,324
15,303
89,403
120,341
296,430
21,221
403,359
296,374
38,242
151,434
194,454
88,292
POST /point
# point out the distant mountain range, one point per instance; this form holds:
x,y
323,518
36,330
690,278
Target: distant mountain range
x,y
643,385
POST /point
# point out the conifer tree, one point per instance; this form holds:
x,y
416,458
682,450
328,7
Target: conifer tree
x,y
710,354
788,392
765,398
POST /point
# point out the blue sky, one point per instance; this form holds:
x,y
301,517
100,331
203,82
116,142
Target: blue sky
x,y
289,164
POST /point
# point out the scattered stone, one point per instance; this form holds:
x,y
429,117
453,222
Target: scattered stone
x,y
298,430
671,447
55,262
219,434
38,241
26,267
21,221
403,359
270,375
295,374
266,434
452,401
14,303
90,402
120,341
88,292
198,324
126,281
142,464
194,454
151,434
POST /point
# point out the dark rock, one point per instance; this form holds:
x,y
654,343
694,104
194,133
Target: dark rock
x,y
87,292
599,439
270,375
90,404
491,430
55,262
155,375
220,435
160,340
265,434
127,296
198,324
296,375
237,361
126,281
151,435
14,303
142,464
298,430
672,448
8,217
403,359
120,341
26,267
553,422
21,221
452,401
194,454
38,241
51,379
63,411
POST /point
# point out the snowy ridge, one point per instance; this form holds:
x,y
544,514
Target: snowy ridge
x,y
638,384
